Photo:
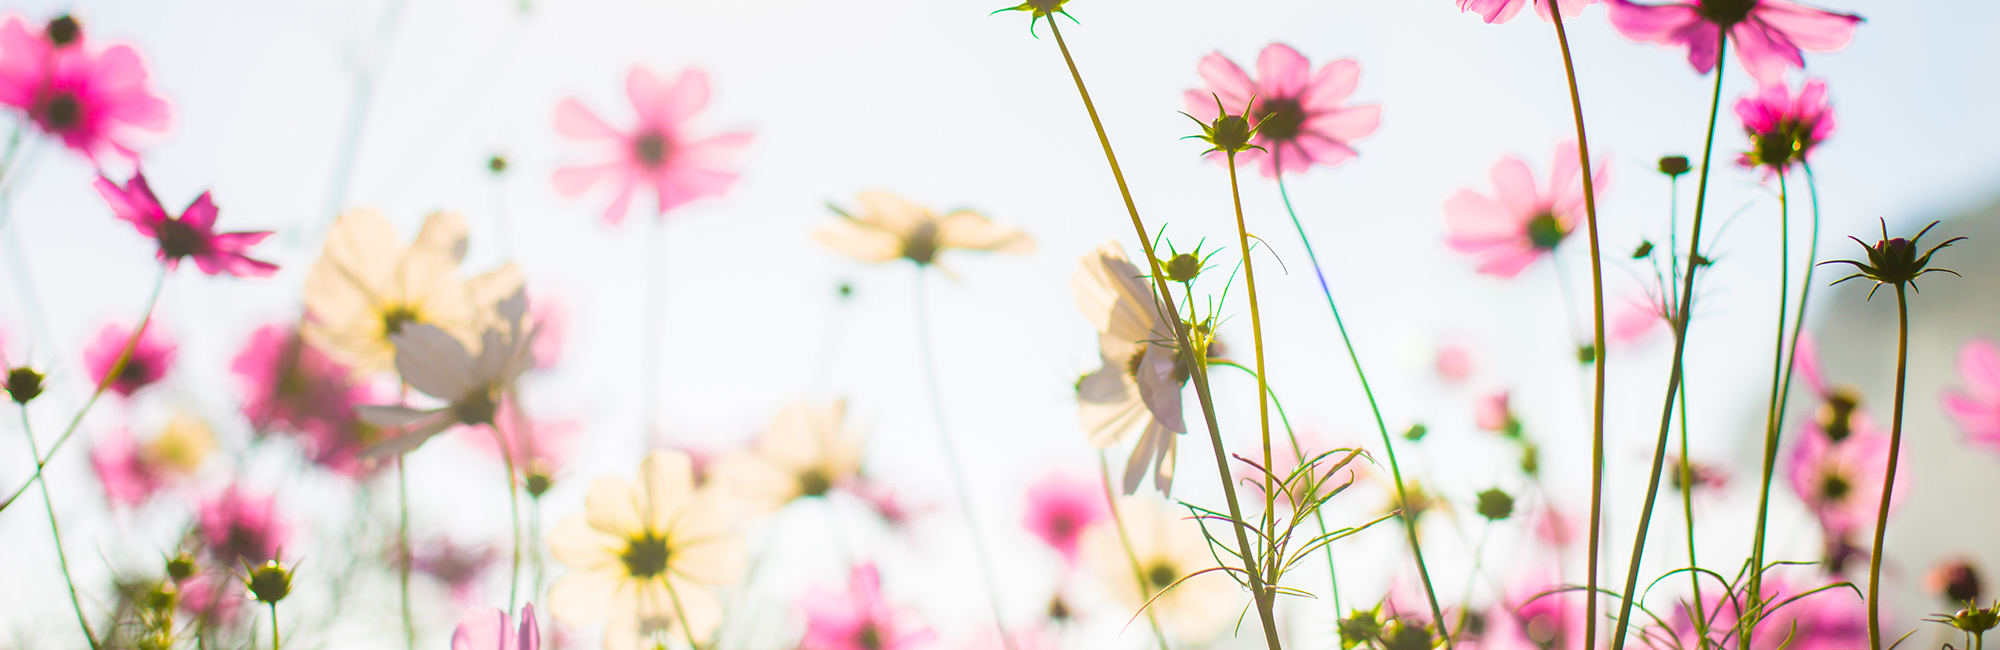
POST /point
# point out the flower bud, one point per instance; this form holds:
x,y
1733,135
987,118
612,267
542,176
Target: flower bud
x,y
1183,267
1416,432
1495,505
1674,166
1359,628
181,567
23,384
64,30
271,582
497,164
1644,250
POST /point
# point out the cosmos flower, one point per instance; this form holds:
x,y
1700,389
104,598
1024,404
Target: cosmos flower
x,y
368,286
1060,508
1768,34
1976,407
1833,619
491,629
1521,222
151,357
298,390
1841,481
1500,11
657,153
1137,393
191,235
646,555
132,472
805,452
1302,117
550,314
889,227
1784,128
1524,621
213,594
1168,547
456,566
1954,580
238,526
97,100
440,366
859,618
1494,412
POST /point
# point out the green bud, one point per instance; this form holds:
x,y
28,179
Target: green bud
x,y
23,384
1495,505
1674,166
497,164
271,582
1644,250
1183,267
1416,432
180,567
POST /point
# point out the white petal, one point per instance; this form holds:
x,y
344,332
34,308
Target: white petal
x,y
1158,387
434,362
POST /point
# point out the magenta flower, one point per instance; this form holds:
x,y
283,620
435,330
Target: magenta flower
x,y
296,389
1520,223
457,567
860,619
1500,11
128,479
238,526
1535,616
190,235
151,356
1768,34
1833,619
1976,408
212,594
657,152
492,629
95,99
1784,128
1840,481
1302,116
1060,507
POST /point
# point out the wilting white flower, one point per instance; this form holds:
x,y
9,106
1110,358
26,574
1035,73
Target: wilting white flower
x,y
436,363
1138,391
889,227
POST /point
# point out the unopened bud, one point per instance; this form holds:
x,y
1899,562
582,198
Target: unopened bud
x,y
1674,166
271,582
23,384
64,30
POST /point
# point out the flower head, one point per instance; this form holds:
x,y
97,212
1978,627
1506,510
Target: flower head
x,y
1521,222
1976,407
269,582
1895,260
859,618
1953,579
96,99
1769,34
190,235
1784,128
1536,615
806,452
1225,133
151,355
238,526
1169,549
645,554
889,227
433,362
296,389
367,286
132,472
1137,392
491,629
657,152
1300,117
1500,11
1060,508
1039,9
1841,481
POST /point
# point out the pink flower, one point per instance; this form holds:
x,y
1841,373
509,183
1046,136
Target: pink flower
x,y
860,619
1833,619
213,594
1976,408
127,478
1841,481
656,152
1453,363
551,315
1500,11
151,356
295,388
1784,128
1768,34
1302,116
1060,507
1495,413
190,235
895,509
538,446
1521,222
95,99
492,629
457,567
1533,618
240,526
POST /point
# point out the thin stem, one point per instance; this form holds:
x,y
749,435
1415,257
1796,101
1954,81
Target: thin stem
x,y
951,461
403,550
55,531
1773,418
1889,479
514,509
356,122
1471,579
274,625
1264,597
1125,540
1674,377
1687,511
1197,368
1298,452
1805,292
680,612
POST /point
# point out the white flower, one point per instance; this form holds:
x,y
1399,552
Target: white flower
x,y
1137,393
1167,546
889,227
367,286
434,362
804,453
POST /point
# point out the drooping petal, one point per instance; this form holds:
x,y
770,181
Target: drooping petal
x,y
1764,53
485,628
434,362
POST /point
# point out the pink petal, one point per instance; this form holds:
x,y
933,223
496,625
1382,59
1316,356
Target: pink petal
x,y
1508,264
1979,364
687,96
1764,53
1815,30
134,203
574,120
1805,362
1225,79
622,203
574,181
201,213
1514,186
483,629
1492,11
1663,24
530,635
1281,71
1469,214
1333,84
1323,150
1347,124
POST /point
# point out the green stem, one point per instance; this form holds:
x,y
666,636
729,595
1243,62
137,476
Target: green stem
x,y
1266,596
1674,376
1774,417
1687,462
513,509
274,625
403,550
1888,480
1125,540
1299,452
55,531
680,612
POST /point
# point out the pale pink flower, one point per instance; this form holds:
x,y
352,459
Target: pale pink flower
x,y
491,629
895,508
1521,222
1841,481
239,526
1768,34
127,477
1535,615
1302,116
213,594
151,356
296,389
657,152
1976,407
1635,318
1784,128
1060,507
860,618
191,235
1453,363
96,99
1834,619
537,446
1495,413
551,314
458,567
1500,11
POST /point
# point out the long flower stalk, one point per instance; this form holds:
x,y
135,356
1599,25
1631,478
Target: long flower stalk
x,y
1197,369
55,531
1125,541
1675,375
1774,418
403,551
1266,596
274,625
513,509
1889,479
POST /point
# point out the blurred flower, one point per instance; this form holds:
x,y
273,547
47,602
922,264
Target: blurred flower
x,y
860,618
645,554
191,235
540,448
551,315
1534,615
1167,547
889,227
1832,619
433,362
457,567
212,594
805,452
151,356
1453,363
1953,579
1768,34
97,100
1060,508
1494,412
1976,407
491,629
367,287
1137,393
239,526
1784,128
1521,222
132,473
656,152
1706,476
895,510
1500,11
1841,481
1301,116
297,389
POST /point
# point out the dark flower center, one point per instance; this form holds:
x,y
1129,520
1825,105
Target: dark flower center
x,y
869,636
134,374
1726,12
63,30
1545,232
1162,574
23,384
477,408
651,148
922,245
1837,416
645,556
395,317
1058,610
1834,487
178,239
1282,118
242,543
1062,525
61,112
814,482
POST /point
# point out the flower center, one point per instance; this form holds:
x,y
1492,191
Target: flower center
x,y
1834,487
814,482
1542,631
651,148
1781,146
63,30
477,408
1162,574
1545,232
134,374
178,239
395,317
1726,12
645,556
1837,415
61,111
922,245
1062,525
1282,118
869,636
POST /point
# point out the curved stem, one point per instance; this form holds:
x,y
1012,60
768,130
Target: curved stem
x,y
1889,479
1125,540
1299,452
1675,375
403,551
55,531
1774,417
514,510
951,461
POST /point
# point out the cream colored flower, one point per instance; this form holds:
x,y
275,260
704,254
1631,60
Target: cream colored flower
x,y
1137,392
440,366
889,227
367,286
804,453
182,447
647,555
1167,546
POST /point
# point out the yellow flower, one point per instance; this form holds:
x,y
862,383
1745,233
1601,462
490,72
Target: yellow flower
x,y
645,556
804,453
1168,546
889,227
367,286
182,447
